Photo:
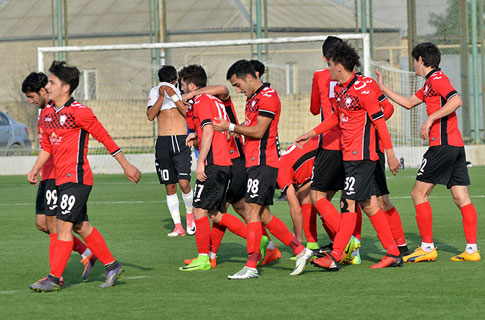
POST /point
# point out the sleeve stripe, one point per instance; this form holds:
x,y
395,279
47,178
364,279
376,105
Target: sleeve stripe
x,y
382,98
204,122
116,152
377,115
265,113
284,189
451,94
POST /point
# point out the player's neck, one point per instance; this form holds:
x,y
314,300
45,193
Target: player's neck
x,y
61,101
345,77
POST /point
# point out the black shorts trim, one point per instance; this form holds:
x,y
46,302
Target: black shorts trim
x,y
261,184
328,171
173,159
46,200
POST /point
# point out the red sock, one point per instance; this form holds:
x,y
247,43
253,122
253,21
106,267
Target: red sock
x,y
253,240
62,252
424,217
217,233
470,223
358,222
265,232
395,223
234,225
52,247
98,247
384,233
331,217
309,222
347,226
79,246
203,235
280,231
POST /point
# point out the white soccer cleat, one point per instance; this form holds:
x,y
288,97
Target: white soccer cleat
x,y
190,224
244,273
302,260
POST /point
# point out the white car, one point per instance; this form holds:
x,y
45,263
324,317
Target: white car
x,y
14,137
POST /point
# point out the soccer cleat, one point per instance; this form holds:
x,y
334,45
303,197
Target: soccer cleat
x,y
420,255
354,260
177,232
327,248
465,256
113,275
46,284
212,261
197,264
271,255
88,265
262,249
312,246
190,223
404,250
302,261
327,262
388,261
244,273
351,246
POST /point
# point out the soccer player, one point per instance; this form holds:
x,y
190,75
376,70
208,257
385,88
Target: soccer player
x,y
46,203
358,114
444,162
261,150
67,125
173,159
213,163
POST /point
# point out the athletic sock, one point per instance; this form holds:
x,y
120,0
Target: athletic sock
x,y
309,222
52,247
188,198
469,223
395,223
471,247
347,226
358,223
98,247
379,221
203,235
253,241
173,207
331,216
424,218
217,233
265,232
280,231
271,245
80,247
62,252
427,246
234,225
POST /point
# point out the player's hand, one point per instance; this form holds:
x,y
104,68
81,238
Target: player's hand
x,y
394,164
380,82
220,124
186,97
235,135
132,173
304,138
191,139
425,128
161,90
200,172
33,175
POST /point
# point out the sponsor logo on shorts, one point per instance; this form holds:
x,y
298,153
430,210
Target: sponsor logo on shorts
x,y
64,212
254,196
349,193
53,207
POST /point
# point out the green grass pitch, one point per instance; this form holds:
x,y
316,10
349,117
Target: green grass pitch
x,y
134,221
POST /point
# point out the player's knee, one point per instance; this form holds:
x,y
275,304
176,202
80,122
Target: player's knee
x,y
42,227
185,186
417,196
171,189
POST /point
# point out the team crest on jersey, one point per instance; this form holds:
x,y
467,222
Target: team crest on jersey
x,y
348,101
62,119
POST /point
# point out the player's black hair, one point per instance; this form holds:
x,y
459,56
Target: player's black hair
x,y
167,74
329,43
429,52
258,67
241,68
34,82
66,73
344,54
194,74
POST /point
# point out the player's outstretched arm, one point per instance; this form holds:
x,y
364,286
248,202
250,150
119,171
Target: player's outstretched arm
x,y
34,173
219,91
405,102
256,132
131,172
324,126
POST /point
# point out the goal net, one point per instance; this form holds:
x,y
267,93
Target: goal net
x,y
116,79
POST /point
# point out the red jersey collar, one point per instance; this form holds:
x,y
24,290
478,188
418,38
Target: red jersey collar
x,y
67,104
265,84
431,72
349,83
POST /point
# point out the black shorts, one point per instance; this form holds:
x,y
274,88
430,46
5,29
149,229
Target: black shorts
x,y
173,159
380,175
211,194
237,187
261,184
46,201
328,171
359,180
444,165
72,202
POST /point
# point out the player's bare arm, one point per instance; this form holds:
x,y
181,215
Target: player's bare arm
x,y
450,106
33,174
295,210
256,132
171,121
205,145
181,107
385,138
153,111
326,125
405,102
219,91
131,172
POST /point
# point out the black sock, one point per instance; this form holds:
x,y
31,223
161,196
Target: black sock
x,y
115,264
56,280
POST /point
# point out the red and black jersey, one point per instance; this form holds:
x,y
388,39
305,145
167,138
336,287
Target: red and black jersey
x,y
48,168
65,137
235,144
204,110
265,151
323,101
437,90
359,113
296,165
